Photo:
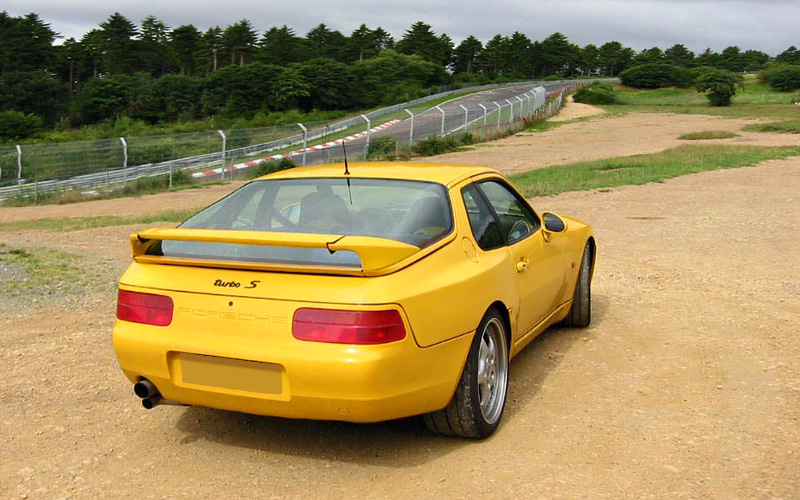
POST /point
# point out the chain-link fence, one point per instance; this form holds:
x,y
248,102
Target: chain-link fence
x,y
31,171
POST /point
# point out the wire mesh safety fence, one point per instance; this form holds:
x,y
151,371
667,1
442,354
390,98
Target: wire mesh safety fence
x,y
29,171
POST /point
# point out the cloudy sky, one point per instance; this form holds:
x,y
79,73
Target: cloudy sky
x,y
767,25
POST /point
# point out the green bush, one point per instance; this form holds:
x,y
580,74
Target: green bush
x,y
719,85
382,148
598,93
157,183
656,76
782,77
466,139
269,167
100,99
436,145
18,125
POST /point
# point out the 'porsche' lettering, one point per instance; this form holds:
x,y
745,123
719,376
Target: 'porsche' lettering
x,y
208,313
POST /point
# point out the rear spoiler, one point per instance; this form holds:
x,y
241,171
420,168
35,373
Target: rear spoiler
x,y
374,253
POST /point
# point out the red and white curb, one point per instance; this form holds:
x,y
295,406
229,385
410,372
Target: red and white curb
x,y
253,163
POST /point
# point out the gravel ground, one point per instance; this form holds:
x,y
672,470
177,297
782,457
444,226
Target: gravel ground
x,y
687,384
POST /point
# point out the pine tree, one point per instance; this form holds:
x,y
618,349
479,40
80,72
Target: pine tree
x,y
238,42
589,59
185,43
679,55
117,34
419,40
615,57
211,49
518,51
789,56
494,56
26,43
323,42
466,54
281,46
156,56
649,56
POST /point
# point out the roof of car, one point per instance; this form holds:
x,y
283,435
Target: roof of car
x,y
441,173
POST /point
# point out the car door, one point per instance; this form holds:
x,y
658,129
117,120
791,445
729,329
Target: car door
x,y
539,264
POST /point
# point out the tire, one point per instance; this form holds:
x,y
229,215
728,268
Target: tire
x,y
580,314
477,405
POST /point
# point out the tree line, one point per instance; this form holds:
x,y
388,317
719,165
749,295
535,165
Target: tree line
x,y
156,73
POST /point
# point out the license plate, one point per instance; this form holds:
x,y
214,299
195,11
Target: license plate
x,y
234,374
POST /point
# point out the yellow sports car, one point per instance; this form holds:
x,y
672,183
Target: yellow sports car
x,y
363,294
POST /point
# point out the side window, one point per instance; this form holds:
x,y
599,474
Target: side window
x,y
517,220
481,220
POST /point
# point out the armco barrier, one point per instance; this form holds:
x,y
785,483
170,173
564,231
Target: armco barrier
x,y
30,170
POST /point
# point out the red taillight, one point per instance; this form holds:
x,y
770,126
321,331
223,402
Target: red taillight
x,y
348,327
144,308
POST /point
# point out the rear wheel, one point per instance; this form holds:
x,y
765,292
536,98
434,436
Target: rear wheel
x,y
580,314
479,400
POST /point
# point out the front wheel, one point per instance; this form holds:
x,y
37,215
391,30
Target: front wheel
x,y
479,400
580,314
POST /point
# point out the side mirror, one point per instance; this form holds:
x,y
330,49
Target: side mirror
x,y
552,223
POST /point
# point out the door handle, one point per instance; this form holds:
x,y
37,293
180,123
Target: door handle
x,y
522,265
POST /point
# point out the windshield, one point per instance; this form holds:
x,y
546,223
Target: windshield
x,y
413,212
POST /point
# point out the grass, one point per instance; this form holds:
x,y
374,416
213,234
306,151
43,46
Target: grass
x,y
788,126
643,169
754,100
708,134
37,268
79,223
543,125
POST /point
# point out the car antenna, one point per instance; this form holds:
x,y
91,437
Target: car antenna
x,y
347,173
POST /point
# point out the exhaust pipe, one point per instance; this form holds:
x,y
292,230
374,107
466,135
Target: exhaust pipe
x,y
153,401
150,395
145,389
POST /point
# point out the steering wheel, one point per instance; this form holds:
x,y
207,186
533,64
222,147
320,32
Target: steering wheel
x,y
518,230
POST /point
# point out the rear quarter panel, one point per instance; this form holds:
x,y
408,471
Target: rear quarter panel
x,y
447,293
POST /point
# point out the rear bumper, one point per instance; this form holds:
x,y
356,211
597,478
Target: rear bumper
x,y
318,381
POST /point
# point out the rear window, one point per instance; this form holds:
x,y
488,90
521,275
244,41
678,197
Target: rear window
x,y
413,212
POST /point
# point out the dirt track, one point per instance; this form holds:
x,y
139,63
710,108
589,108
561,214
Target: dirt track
x,y
687,385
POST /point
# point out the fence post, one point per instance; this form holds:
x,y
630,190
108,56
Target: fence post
x,y
442,112
499,112
305,142
327,149
483,129
511,112
411,132
224,143
369,134
19,168
466,116
521,103
124,161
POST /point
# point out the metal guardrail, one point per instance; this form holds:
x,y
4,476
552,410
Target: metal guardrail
x,y
118,161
